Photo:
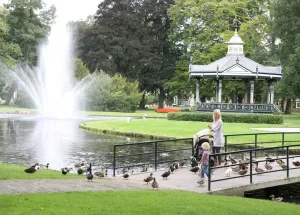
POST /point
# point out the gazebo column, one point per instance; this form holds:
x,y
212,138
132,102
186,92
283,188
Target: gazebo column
x,y
272,93
197,91
251,91
269,93
217,91
246,92
220,91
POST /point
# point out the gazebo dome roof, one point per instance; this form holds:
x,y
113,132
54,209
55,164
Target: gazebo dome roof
x,y
235,39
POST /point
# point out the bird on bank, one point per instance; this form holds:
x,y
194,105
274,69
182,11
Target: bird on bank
x,y
145,116
154,184
64,171
296,162
149,178
228,172
90,175
176,165
101,174
269,159
32,169
126,175
166,174
243,171
278,199
128,120
172,168
257,169
279,161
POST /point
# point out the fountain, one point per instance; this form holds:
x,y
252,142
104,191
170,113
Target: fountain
x,y
51,84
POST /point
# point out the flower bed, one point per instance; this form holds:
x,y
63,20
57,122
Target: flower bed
x,y
166,110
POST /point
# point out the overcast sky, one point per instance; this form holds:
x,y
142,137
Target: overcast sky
x,y
72,9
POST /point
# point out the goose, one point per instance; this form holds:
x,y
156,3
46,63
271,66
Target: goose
x,y
90,175
101,174
228,171
154,184
233,161
278,199
149,178
268,166
32,169
176,165
279,161
195,169
166,174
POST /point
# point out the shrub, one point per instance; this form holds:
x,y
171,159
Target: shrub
x,y
228,117
166,110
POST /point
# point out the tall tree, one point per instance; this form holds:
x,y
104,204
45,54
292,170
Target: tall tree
x,y
286,30
130,37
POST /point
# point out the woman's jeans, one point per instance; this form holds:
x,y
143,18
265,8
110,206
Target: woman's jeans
x,y
204,169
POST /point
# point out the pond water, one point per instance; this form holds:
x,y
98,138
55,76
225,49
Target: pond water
x,y
26,140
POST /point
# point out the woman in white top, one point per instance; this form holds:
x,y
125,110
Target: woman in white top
x,y
217,128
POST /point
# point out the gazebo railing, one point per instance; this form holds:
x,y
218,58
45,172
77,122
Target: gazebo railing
x,y
242,108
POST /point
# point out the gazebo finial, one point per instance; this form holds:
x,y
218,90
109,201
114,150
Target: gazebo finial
x,y
236,23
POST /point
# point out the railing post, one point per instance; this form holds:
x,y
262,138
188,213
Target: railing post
x,y
225,136
155,155
255,139
287,162
209,157
251,179
114,162
282,143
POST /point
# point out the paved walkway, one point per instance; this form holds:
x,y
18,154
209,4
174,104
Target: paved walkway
x,y
182,179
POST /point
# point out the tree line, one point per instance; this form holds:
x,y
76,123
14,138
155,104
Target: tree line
x,y
152,41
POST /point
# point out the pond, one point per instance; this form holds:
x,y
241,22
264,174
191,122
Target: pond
x,y
26,140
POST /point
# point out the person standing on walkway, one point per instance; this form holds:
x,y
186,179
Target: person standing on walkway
x,y
204,161
218,140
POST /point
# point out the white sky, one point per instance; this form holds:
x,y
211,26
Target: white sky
x,y
72,9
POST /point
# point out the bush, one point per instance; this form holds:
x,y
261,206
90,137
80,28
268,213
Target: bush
x,y
228,117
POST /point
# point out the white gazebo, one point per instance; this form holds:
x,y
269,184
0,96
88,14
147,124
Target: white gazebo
x,y
235,66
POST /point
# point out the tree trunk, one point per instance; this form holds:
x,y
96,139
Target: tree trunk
x,y
142,102
161,98
283,104
288,109
11,93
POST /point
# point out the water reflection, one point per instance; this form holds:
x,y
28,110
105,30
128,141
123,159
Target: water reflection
x,y
27,140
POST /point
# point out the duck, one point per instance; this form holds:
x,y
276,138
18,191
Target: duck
x,y
101,174
268,166
233,161
278,199
166,174
279,161
296,162
90,175
236,169
181,163
243,171
32,169
195,169
79,171
149,178
44,166
126,175
257,169
283,166
269,159
228,171
154,184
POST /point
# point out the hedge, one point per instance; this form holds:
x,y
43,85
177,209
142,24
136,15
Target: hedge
x,y
228,117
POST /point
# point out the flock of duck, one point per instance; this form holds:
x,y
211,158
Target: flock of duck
x,y
240,167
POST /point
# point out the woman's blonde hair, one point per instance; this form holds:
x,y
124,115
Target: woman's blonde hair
x,y
218,111
205,146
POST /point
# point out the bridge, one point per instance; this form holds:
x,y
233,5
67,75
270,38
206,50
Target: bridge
x,y
217,183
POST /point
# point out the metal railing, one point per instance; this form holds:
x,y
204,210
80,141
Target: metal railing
x,y
153,149
250,162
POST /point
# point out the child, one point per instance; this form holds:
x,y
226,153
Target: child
x,y
204,161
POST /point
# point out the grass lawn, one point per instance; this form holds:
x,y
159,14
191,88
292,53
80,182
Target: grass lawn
x,y
186,129
140,202
11,171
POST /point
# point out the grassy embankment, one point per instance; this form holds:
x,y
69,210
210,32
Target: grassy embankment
x,y
140,202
